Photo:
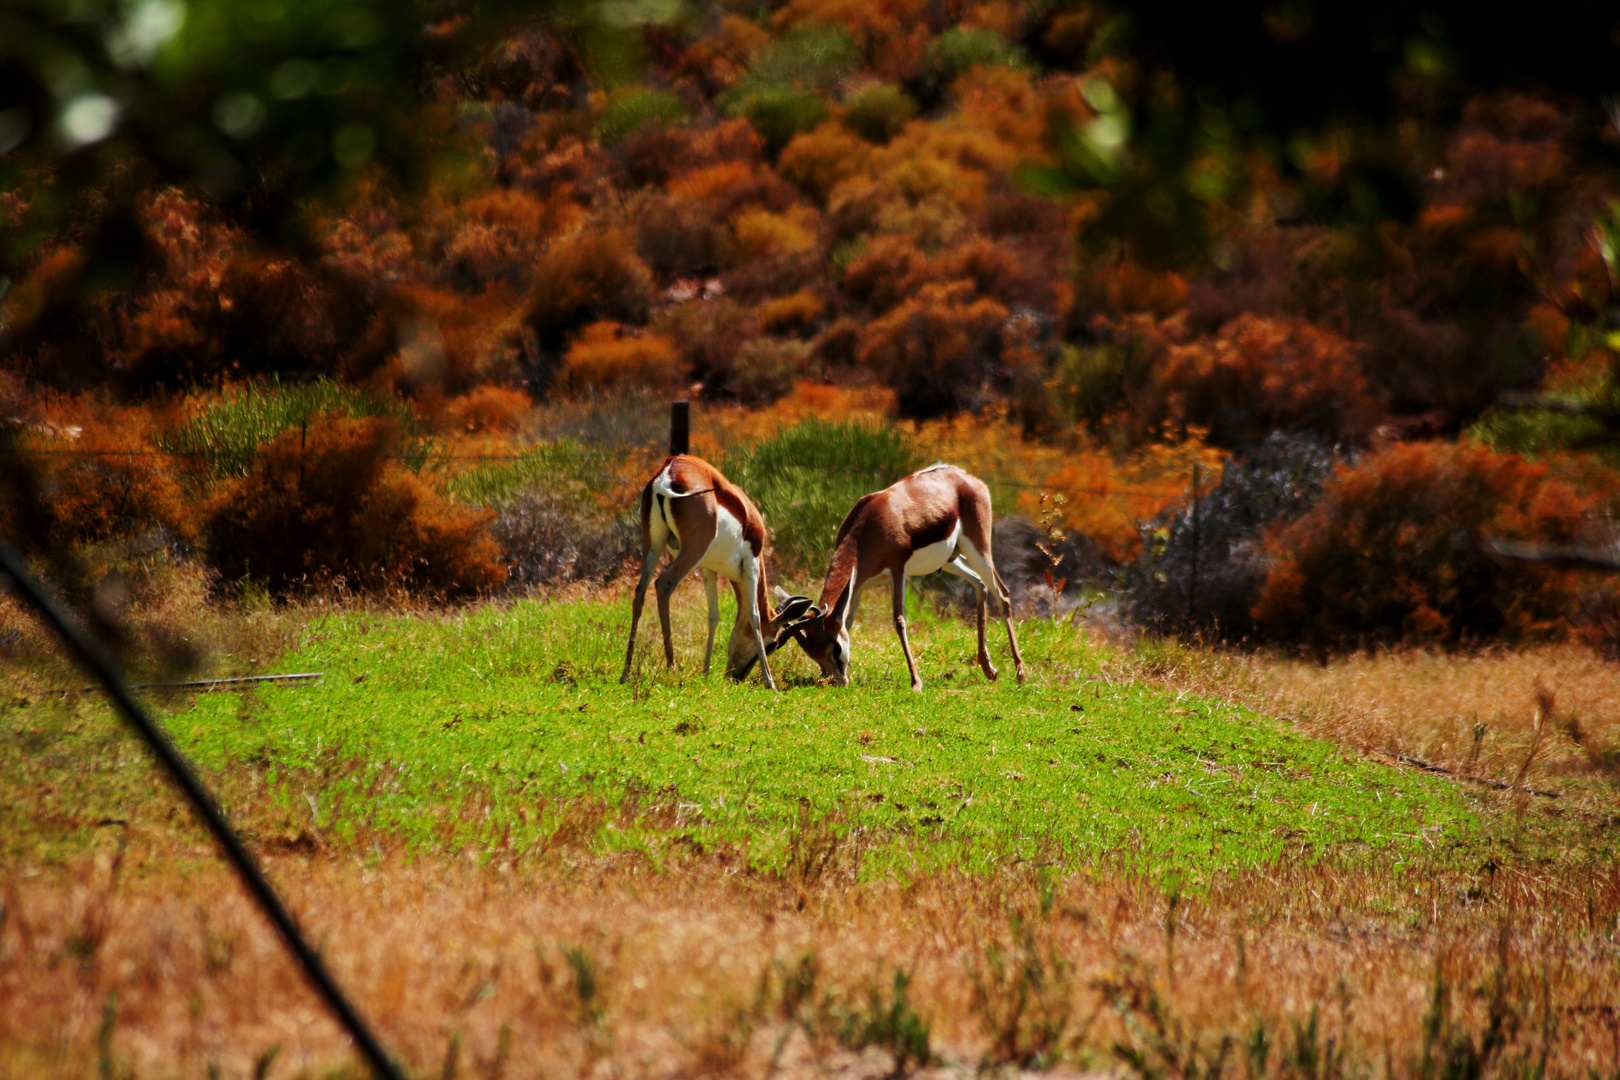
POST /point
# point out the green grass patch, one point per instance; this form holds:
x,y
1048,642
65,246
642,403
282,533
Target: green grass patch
x,y
567,468
224,439
497,726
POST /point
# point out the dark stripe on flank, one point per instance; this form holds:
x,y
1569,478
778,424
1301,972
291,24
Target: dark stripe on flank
x,y
934,531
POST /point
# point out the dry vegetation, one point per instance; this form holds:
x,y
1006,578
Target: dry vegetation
x,y
137,954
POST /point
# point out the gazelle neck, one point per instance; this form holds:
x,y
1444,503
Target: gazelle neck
x,y
836,593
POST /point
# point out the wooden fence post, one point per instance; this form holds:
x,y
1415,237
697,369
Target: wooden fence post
x,y
680,426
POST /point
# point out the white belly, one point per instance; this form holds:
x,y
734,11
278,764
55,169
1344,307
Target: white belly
x,y
927,560
726,550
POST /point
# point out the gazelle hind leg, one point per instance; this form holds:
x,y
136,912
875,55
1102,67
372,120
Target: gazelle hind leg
x,y
1012,637
1003,595
676,572
750,589
649,563
962,570
900,628
712,591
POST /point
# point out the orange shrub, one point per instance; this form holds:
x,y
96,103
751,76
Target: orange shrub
x,y
791,314
760,234
488,408
589,275
1260,375
105,485
1391,554
939,351
452,340
500,231
333,507
892,268
605,356
817,161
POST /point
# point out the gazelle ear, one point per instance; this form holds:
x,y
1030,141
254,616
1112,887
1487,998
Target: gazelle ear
x,y
792,607
781,595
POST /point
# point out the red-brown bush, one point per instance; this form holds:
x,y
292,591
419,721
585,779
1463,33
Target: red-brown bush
x,y
1392,554
587,278
105,485
488,408
709,335
285,315
333,507
893,268
940,351
1261,375
604,357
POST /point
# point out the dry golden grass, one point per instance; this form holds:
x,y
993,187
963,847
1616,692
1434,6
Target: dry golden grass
x,y
471,965
688,964
1483,714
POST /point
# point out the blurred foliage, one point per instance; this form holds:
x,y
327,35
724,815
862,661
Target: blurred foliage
x,y
1188,110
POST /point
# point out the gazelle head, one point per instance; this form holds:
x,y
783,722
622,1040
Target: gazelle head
x,y
741,653
825,640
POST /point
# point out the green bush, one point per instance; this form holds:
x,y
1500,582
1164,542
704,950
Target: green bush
x,y
813,58
225,439
961,49
1534,433
784,91
805,478
877,112
637,108
777,113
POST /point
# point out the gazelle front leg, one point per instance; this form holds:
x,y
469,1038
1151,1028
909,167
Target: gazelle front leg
x,y
711,589
900,627
961,569
649,563
750,590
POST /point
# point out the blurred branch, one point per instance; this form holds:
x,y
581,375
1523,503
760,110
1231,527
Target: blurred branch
x,y
88,653
1555,555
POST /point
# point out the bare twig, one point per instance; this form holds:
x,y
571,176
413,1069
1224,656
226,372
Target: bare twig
x,y
209,686
1419,763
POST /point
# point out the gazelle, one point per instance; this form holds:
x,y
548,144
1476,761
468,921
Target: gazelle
x,y
692,511
936,519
